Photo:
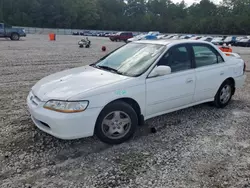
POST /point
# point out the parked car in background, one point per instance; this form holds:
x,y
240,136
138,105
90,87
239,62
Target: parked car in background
x,y
7,31
169,36
230,40
155,33
244,42
217,40
100,34
76,33
108,34
208,39
121,36
94,33
152,35
86,33
134,83
185,36
238,40
175,37
161,36
195,38
137,37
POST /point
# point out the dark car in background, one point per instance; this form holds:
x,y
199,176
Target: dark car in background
x,y
86,33
7,31
75,33
121,36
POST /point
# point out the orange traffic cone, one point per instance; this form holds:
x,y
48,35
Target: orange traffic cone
x,y
52,36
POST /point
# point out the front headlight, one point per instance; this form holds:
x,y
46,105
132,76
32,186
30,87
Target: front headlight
x,y
66,106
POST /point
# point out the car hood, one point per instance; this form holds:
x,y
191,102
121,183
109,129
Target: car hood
x,y
66,84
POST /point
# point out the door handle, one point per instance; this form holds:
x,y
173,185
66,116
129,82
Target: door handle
x,y
221,73
189,80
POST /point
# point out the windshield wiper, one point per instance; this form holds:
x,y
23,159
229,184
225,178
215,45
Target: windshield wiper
x,y
107,68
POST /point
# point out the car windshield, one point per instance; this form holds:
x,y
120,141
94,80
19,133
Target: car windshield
x,y
132,59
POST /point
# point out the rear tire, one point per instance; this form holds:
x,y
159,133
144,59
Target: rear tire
x,y
116,123
224,94
15,36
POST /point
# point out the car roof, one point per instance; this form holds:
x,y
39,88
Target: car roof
x,y
170,42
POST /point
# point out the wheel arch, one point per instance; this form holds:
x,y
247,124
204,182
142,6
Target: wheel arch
x,y
14,32
133,103
232,81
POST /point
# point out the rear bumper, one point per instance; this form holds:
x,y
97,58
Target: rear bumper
x,y
239,81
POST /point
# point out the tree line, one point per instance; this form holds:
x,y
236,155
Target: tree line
x,y
230,17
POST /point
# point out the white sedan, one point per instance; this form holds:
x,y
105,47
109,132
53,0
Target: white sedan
x,y
138,81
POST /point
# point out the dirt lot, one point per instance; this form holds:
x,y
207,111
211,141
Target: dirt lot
x,y
197,147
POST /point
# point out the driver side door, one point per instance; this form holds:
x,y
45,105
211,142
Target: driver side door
x,y
173,91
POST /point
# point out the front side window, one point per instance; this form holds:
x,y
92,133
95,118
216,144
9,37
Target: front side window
x,y
133,59
177,58
205,56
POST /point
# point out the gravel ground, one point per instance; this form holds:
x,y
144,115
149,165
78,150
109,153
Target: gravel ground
x,y
197,147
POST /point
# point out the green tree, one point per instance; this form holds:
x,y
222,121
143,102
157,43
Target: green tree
x,y
230,17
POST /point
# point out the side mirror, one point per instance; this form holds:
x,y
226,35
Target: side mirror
x,y
160,71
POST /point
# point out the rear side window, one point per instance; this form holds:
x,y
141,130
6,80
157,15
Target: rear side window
x,y
1,26
205,56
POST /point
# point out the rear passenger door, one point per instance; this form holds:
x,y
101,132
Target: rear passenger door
x,y
210,71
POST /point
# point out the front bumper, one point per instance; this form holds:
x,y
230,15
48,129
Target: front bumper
x,y
23,35
62,125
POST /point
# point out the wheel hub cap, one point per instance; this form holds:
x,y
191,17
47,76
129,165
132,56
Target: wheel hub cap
x,y
225,94
116,124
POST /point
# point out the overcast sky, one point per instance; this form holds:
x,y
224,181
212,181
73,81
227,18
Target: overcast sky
x,y
190,2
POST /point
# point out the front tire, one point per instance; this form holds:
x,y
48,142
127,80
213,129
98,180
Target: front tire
x,y
224,94
116,123
14,36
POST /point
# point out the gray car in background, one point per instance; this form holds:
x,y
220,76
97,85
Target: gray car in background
x,y
7,31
